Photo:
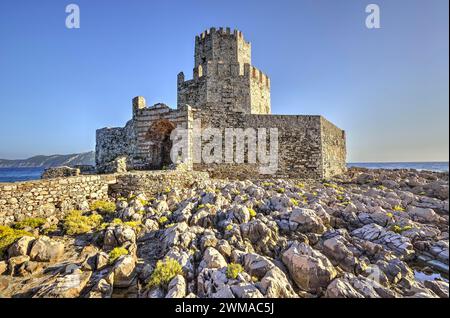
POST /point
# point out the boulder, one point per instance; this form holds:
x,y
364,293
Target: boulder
x,y
67,286
307,221
257,265
212,282
264,237
124,271
212,259
177,287
118,236
21,247
45,249
423,215
275,284
439,287
393,241
309,268
239,214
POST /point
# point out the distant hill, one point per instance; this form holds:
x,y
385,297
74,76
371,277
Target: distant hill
x,y
87,158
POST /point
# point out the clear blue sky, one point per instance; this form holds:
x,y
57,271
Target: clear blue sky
x,y
388,88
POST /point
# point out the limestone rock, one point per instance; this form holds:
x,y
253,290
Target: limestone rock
x,y
124,271
275,284
45,249
177,287
212,259
257,265
67,286
246,291
423,215
307,221
309,268
21,247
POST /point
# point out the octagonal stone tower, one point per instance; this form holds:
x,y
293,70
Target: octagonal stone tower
x,y
223,75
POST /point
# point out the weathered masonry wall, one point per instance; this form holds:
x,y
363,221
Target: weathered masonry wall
x,y
152,128
309,146
144,141
300,151
44,198
334,150
152,183
54,197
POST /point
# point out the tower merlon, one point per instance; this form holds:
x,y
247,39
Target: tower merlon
x,y
138,104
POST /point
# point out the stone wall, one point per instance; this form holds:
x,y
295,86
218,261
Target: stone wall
x,y
301,153
152,183
140,141
54,197
334,150
44,198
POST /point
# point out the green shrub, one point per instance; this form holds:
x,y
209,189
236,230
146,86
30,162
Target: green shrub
x,y
135,225
144,202
294,202
399,230
29,223
117,221
103,206
229,227
8,236
51,229
76,223
164,272
163,220
116,253
233,270
252,212
399,208
281,190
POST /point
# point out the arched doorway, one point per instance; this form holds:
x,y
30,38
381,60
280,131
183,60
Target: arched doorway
x,y
159,134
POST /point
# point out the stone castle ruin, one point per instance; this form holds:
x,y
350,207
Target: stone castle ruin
x,y
226,91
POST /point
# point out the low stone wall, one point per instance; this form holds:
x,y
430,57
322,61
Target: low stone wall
x,y
152,183
54,197
44,198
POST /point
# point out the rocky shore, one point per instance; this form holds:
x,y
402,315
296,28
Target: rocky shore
x,y
368,233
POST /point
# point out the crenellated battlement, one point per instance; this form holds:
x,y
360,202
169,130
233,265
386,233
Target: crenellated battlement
x,y
256,75
222,44
223,73
221,32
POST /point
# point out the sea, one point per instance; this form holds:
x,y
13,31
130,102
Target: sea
x,y
26,174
